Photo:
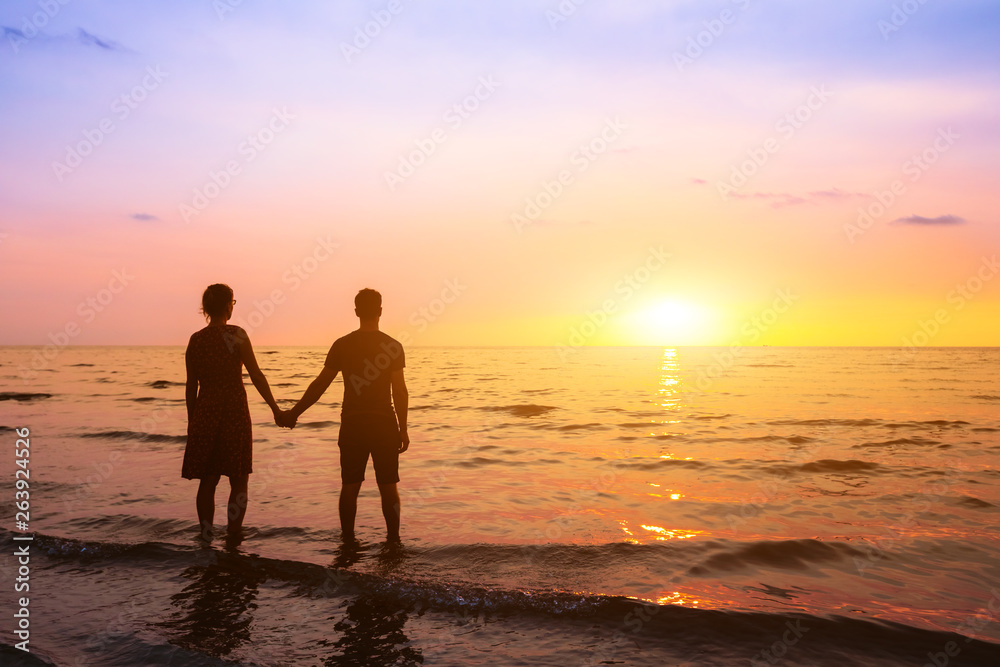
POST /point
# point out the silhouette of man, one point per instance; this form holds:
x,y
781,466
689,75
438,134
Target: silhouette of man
x,y
373,414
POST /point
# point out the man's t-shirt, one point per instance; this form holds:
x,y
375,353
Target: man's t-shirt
x,y
366,359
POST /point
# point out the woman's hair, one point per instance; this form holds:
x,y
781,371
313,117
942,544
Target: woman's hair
x,y
216,299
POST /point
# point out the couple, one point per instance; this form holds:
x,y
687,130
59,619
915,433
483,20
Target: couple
x,y
219,438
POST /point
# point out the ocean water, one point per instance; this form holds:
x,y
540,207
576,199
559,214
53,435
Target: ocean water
x,y
627,506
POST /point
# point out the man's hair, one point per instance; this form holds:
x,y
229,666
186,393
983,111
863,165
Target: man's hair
x,y
367,303
216,299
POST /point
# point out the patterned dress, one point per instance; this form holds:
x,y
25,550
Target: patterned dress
x,y
219,437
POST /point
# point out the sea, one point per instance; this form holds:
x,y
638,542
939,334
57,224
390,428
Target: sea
x,y
576,506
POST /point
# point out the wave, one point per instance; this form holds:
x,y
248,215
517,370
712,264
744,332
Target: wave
x,y
974,503
529,410
918,441
712,636
785,555
14,656
315,425
163,384
22,396
481,461
939,423
834,465
660,464
134,435
578,427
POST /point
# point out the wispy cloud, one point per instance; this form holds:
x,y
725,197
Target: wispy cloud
x,y
144,217
816,197
835,193
81,36
93,40
940,220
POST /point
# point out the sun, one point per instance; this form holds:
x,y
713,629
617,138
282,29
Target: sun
x,y
670,322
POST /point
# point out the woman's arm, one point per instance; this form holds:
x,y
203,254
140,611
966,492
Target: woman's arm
x,y
191,388
256,376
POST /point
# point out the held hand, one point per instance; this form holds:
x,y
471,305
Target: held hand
x,y
285,418
405,444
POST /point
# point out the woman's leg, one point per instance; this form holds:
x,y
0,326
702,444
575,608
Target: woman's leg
x,y
206,503
237,501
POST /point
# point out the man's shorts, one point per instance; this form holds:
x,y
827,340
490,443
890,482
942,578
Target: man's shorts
x,y
364,435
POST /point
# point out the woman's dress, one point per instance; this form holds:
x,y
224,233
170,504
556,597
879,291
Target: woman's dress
x,y
219,437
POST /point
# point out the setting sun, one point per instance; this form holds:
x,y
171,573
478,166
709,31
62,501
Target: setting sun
x,y
669,322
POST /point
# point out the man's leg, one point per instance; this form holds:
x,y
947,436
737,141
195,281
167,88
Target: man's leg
x,y
206,504
348,509
390,510
237,502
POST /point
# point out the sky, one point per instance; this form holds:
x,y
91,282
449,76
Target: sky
x,y
524,172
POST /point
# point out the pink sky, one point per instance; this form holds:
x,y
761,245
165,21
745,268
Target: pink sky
x,y
264,101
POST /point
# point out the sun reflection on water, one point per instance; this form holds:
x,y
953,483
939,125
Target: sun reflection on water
x,y
667,534
678,598
669,389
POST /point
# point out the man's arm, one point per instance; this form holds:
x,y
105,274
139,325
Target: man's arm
x,y
400,401
315,390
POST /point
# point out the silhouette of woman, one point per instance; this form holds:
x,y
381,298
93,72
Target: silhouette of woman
x,y
219,438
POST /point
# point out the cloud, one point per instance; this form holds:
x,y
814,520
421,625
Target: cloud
x,y
16,36
835,193
940,220
144,217
783,199
93,40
